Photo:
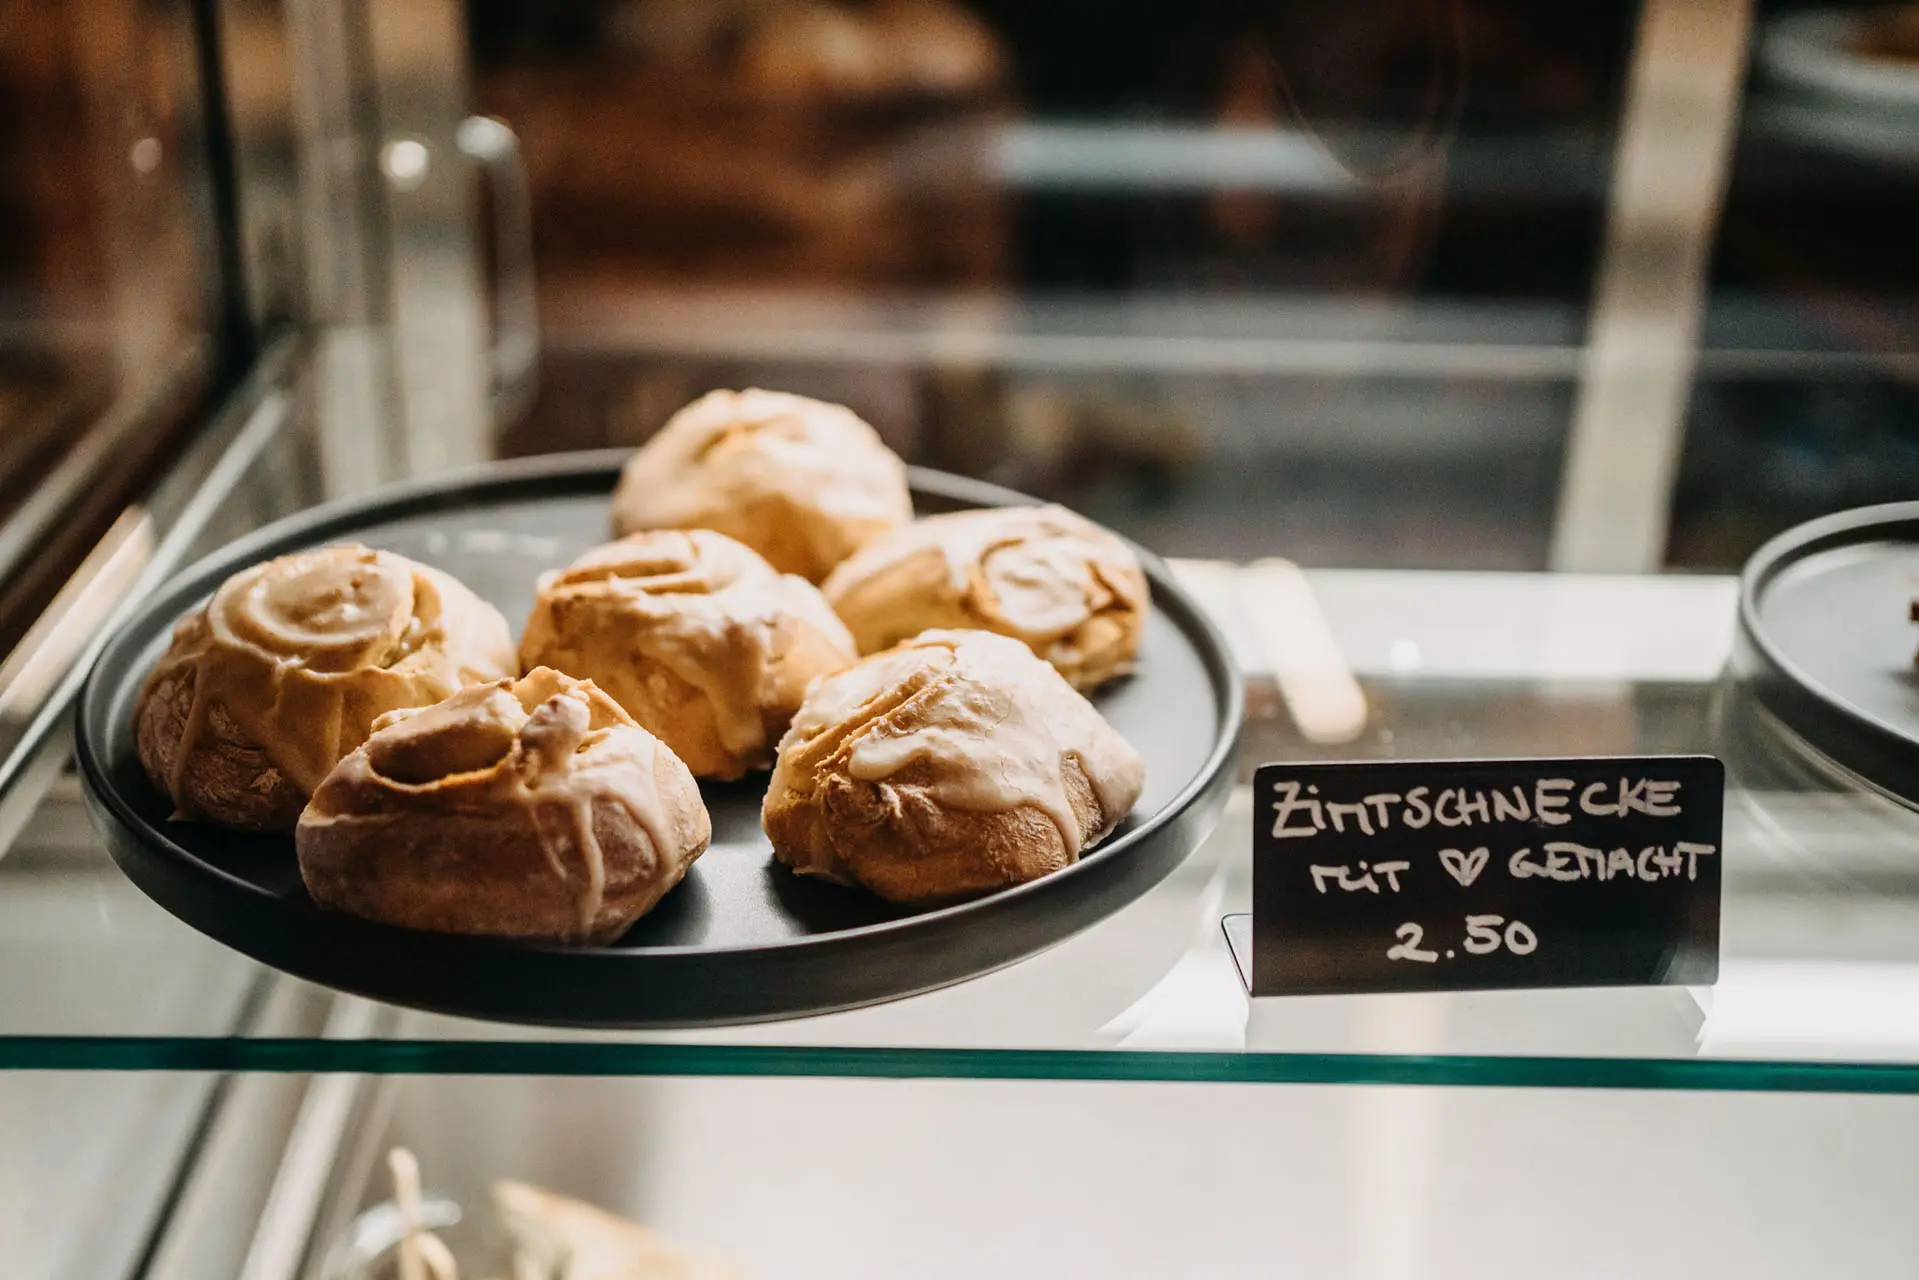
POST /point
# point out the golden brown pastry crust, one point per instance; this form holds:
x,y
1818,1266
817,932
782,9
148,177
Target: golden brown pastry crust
x,y
697,637
287,667
802,482
1068,589
531,808
953,764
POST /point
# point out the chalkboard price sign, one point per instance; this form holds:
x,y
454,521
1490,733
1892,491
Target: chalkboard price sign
x,y
1458,875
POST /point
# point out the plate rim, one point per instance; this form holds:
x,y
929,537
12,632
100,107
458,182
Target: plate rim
x,y
1768,672
585,468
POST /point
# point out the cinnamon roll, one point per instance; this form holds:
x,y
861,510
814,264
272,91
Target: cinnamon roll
x,y
953,764
531,808
803,483
285,670
1066,588
697,637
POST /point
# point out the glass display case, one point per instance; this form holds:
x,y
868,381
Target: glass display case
x,y
1455,354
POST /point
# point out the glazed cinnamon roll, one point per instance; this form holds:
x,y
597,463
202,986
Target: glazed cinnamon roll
x,y
803,483
285,670
1055,581
531,808
696,636
953,764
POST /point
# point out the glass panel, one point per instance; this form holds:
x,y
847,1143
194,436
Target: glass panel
x,y
944,1181
1820,974
109,290
1240,280
1409,284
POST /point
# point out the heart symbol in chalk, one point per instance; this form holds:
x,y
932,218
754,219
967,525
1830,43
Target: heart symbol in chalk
x,y
1465,867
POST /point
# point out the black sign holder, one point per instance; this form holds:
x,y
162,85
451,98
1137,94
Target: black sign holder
x,y
1484,874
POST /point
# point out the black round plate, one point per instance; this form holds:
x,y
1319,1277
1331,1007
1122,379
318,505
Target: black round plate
x,y
741,938
1825,642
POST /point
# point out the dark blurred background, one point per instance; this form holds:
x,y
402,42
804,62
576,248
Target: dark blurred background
x,y
1262,269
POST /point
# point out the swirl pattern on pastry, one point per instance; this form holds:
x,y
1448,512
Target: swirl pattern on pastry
x,y
1071,591
802,482
697,637
953,764
531,808
287,667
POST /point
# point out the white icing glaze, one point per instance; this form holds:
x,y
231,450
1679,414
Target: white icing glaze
x,y
303,650
706,608
1037,573
565,748
327,610
803,481
592,895
995,729
835,700
769,441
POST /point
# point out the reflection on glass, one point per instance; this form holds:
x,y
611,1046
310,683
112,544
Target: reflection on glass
x,y
107,282
1237,279
1814,306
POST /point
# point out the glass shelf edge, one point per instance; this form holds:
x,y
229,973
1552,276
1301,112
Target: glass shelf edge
x,y
507,1058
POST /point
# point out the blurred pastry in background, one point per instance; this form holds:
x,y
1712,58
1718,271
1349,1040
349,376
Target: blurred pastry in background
x,y
954,764
531,808
1064,439
286,669
761,142
1053,580
802,482
700,639
548,1236
571,1240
